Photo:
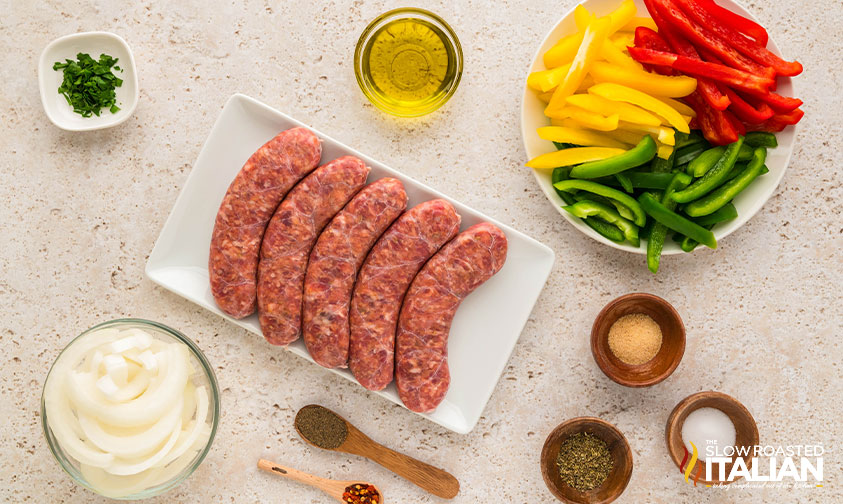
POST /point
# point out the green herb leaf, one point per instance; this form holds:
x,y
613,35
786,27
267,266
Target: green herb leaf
x,y
89,85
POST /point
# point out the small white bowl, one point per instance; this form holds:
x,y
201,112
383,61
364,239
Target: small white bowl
x,y
748,202
94,43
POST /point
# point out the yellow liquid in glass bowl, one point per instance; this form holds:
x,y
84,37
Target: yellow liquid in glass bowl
x,y
408,63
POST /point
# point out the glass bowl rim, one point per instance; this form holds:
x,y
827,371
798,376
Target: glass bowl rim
x,y
415,13
215,396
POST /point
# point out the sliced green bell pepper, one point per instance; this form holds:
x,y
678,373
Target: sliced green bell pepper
x,y
725,193
713,177
607,192
725,213
642,180
704,162
761,139
745,154
624,211
605,229
658,232
624,181
638,155
676,222
689,153
558,175
587,208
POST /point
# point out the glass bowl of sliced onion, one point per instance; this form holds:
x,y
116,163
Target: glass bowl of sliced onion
x,y
130,408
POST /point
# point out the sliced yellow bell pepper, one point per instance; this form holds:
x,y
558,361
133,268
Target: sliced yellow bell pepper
x,y
566,49
592,41
646,82
622,40
622,15
616,56
640,21
664,151
563,52
579,136
627,136
589,119
586,83
545,80
625,111
664,135
680,107
617,92
572,156
582,17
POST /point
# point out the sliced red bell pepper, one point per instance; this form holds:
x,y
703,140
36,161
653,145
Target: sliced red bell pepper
x,y
720,73
706,38
778,122
747,113
649,39
737,22
706,87
715,125
710,57
780,104
737,125
737,41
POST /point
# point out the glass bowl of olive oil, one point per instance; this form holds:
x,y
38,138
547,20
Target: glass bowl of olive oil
x,y
408,62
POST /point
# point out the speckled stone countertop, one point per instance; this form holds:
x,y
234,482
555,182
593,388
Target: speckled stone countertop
x,y
80,212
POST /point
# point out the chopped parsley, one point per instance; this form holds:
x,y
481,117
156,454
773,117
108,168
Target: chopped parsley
x,y
89,85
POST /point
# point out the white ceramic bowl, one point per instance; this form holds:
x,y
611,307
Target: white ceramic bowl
x,y
748,202
94,43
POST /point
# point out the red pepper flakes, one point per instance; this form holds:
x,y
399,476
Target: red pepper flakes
x,y
361,493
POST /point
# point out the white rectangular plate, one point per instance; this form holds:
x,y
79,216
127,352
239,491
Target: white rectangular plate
x,y
487,324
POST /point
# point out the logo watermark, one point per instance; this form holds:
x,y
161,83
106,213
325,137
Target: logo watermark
x,y
760,466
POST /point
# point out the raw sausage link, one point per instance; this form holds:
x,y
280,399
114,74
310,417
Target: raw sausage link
x,y
245,211
334,263
421,352
383,280
289,239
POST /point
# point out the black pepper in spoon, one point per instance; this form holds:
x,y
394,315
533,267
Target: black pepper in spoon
x,y
321,426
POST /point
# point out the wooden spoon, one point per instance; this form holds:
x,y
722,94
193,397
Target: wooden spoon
x,y
432,479
331,487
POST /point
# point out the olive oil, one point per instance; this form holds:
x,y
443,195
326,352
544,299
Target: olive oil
x,y
410,65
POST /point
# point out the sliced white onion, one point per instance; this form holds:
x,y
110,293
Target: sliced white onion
x,y
136,445
94,360
61,419
134,388
123,405
186,441
146,408
117,368
148,360
135,466
106,385
113,486
123,345
142,338
189,409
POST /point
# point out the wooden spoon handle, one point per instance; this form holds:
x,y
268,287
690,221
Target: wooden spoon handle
x,y
293,474
432,479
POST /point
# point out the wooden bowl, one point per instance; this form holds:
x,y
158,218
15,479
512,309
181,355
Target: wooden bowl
x,y
614,485
659,367
745,428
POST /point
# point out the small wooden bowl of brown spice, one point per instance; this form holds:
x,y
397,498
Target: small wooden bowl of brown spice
x,y
586,460
638,340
